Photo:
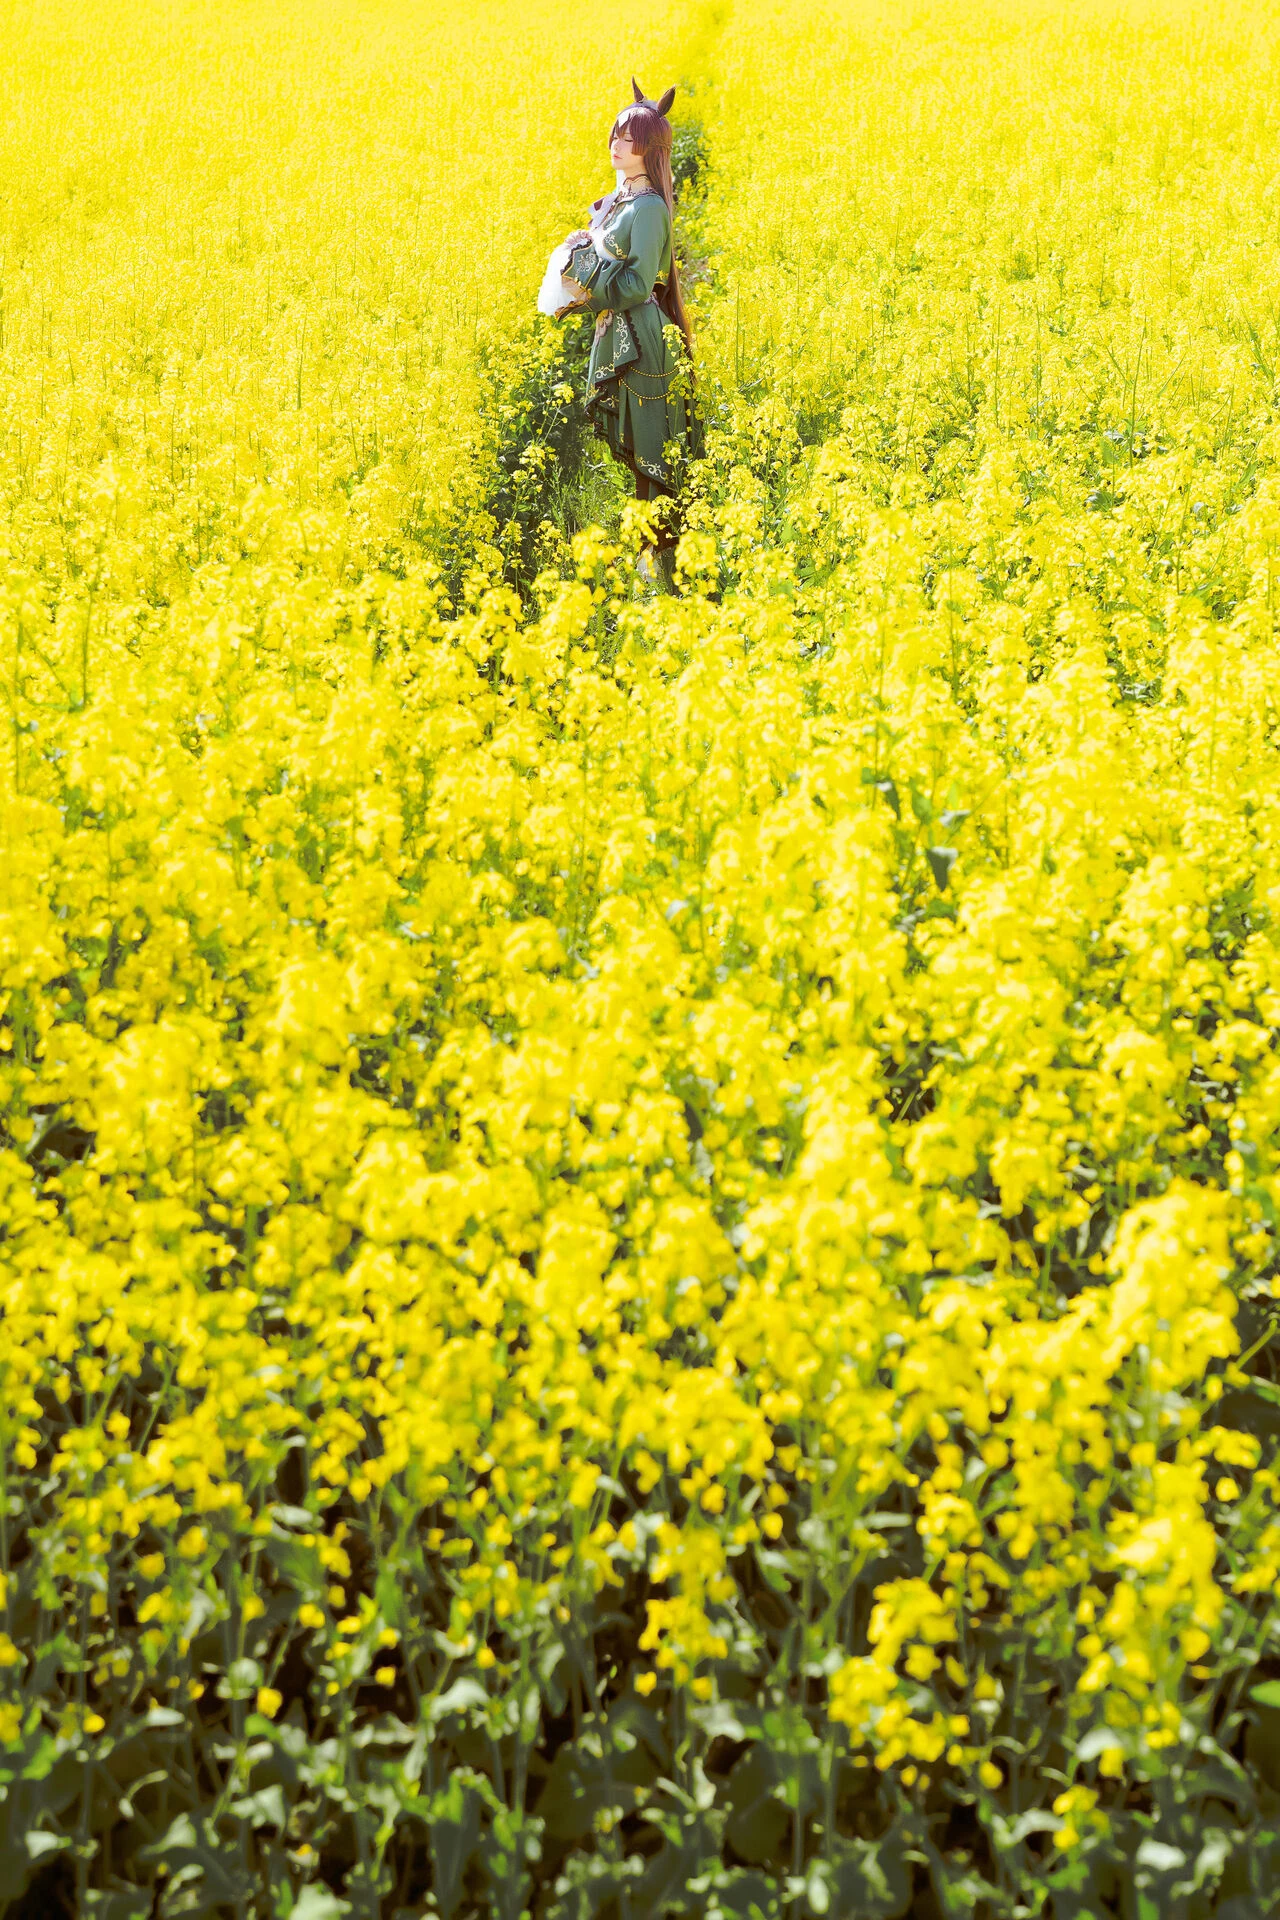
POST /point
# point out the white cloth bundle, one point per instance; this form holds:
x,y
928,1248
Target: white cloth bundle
x,y
556,293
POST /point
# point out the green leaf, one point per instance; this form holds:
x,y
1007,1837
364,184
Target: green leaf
x,y
45,1786
191,1842
124,1904
16,1869
686,1853
510,1844
316,1902
817,1891
299,1517
1262,1736
883,784
1010,1833
465,1692
1215,1850
872,1878
529,1705
758,1819
241,1681
941,860
265,1808
587,1884
547,1663
583,1784
1098,1740
631,1716
40,1844
1267,1694
455,1834
299,1566
718,1720
752,1895
1160,1857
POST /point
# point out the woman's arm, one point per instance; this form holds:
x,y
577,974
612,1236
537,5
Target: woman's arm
x,y
622,284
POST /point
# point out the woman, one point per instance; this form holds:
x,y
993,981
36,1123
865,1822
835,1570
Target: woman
x,y
625,266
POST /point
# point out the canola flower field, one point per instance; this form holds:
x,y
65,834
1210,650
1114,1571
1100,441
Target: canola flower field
x,y
638,1232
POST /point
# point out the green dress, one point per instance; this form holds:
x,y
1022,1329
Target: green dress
x,y
633,371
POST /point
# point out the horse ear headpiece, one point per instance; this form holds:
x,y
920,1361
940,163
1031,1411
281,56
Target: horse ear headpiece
x,y
662,106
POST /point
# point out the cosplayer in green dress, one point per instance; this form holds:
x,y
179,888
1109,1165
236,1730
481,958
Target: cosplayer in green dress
x,y
633,397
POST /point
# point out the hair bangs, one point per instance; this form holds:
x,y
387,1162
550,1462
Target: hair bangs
x,y
643,126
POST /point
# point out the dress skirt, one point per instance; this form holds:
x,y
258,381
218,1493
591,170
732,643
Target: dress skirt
x,y
633,397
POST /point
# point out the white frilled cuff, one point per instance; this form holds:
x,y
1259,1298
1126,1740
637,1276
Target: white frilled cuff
x,y
557,294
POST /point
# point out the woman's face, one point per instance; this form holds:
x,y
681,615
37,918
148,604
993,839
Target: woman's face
x,y
623,157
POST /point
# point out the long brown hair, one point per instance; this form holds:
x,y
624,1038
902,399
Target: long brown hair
x,y
650,134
